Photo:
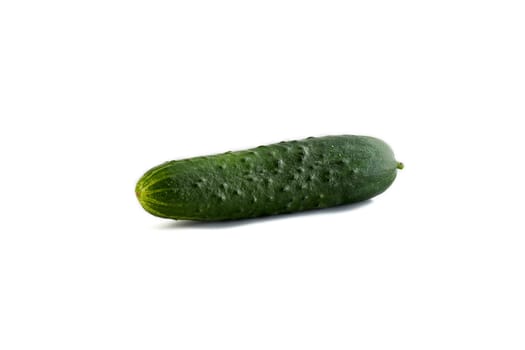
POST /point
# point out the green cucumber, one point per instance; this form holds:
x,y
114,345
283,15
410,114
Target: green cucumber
x,y
292,176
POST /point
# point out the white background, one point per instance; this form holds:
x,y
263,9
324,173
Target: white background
x,y
94,93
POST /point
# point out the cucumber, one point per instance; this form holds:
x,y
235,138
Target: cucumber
x,y
292,176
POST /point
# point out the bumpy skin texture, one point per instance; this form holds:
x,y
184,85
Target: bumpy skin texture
x,y
280,178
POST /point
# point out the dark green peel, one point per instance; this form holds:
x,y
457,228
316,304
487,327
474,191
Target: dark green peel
x,y
280,178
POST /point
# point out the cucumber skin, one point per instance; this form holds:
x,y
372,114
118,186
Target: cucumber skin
x,y
280,178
